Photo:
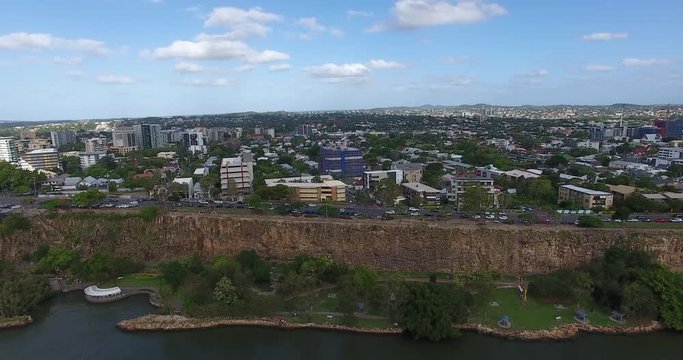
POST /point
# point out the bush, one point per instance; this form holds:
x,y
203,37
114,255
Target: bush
x,y
588,221
149,213
14,222
18,295
103,266
56,259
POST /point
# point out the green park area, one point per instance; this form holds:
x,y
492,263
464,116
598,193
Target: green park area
x,y
534,314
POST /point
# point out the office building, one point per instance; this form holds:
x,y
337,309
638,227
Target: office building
x,y
62,138
89,159
270,132
305,130
372,178
43,159
237,174
95,144
670,128
582,198
342,161
8,150
306,189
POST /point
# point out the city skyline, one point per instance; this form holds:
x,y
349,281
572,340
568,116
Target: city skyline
x,y
134,58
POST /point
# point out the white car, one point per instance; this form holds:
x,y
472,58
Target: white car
x,y
476,217
677,220
390,212
503,217
631,220
490,217
412,209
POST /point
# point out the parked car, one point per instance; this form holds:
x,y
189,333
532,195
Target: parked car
x,y
390,212
677,220
663,220
412,209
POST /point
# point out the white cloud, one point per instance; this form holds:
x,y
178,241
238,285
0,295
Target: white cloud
x,y
644,62
73,60
245,68
354,72
207,83
454,59
188,67
352,13
598,68
384,64
114,79
216,47
203,49
156,1
532,77
266,56
279,67
311,23
445,83
38,41
412,14
242,22
75,74
314,26
605,36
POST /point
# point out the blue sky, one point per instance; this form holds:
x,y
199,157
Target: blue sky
x,y
80,59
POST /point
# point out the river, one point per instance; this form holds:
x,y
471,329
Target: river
x,y
66,327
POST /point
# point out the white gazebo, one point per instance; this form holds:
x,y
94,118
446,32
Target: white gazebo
x,y
96,292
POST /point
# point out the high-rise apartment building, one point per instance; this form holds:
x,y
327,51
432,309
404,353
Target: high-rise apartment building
x,y
237,174
148,136
8,150
62,138
95,144
194,142
43,159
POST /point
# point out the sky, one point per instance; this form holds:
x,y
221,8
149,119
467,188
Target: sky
x,y
84,59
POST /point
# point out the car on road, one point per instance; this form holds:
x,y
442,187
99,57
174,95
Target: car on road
x,y
390,212
677,220
503,217
633,220
663,220
412,209
476,217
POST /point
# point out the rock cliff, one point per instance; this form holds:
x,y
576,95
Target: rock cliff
x,y
389,245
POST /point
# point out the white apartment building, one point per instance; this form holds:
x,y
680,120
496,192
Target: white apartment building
x,y
89,159
8,150
372,178
670,153
457,185
237,174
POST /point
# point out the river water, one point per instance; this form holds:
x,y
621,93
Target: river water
x,y
66,327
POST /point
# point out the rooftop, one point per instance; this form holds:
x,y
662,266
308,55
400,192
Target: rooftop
x,y
585,191
420,187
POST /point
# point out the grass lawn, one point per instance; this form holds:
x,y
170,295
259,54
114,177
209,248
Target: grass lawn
x,y
137,280
535,315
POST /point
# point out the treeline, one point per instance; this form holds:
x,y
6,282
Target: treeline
x,y
626,280
228,286
21,293
98,267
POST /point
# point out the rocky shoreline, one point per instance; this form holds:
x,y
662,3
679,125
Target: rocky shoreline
x,y
15,322
562,332
181,323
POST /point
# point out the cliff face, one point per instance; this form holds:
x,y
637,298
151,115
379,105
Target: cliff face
x,y
382,245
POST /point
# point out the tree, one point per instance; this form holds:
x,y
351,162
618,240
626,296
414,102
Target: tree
x,y
429,311
557,160
19,294
432,174
646,182
638,299
589,221
173,273
387,191
622,213
225,292
475,198
250,261
89,197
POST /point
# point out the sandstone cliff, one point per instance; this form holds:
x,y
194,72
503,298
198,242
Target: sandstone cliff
x,y
389,245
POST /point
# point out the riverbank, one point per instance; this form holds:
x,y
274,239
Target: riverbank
x,y
562,332
14,322
181,323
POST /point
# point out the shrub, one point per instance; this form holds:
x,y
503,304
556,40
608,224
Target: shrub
x,y
588,221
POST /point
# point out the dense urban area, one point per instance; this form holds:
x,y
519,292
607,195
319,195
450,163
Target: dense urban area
x,y
618,166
